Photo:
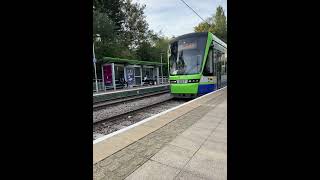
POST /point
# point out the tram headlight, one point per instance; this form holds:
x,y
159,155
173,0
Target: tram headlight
x,y
173,81
193,80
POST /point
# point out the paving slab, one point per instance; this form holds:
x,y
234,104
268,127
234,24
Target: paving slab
x,y
196,132
153,170
185,175
173,156
187,143
208,165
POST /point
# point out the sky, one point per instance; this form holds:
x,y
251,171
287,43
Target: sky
x,y
174,18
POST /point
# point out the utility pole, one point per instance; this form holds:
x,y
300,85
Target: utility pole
x,y
95,69
161,70
95,61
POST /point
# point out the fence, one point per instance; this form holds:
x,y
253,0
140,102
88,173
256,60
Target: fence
x,y
101,86
163,80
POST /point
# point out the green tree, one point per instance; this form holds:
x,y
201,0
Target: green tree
x,y
113,8
220,22
153,47
122,27
205,26
163,45
103,26
216,24
146,52
135,25
124,32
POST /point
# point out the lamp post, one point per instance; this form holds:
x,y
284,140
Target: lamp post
x,y
94,63
161,68
95,69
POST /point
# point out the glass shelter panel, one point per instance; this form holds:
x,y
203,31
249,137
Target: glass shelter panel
x,y
137,76
119,76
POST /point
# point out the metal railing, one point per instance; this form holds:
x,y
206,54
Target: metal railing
x,y
164,80
100,85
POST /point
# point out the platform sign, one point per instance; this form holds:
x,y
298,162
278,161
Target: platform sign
x,y
130,76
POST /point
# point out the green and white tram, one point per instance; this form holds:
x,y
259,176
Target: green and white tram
x,y
197,64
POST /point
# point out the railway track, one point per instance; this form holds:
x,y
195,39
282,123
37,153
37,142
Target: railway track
x,y
101,105
116,123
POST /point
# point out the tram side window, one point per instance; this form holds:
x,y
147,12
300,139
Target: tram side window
x,y
218,63
208,68
224,64
215,65
223,69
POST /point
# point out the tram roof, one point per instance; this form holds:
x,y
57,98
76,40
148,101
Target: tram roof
x,y
215,38
196,34
199,34
130,61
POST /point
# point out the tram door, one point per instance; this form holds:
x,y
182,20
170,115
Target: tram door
x,y
217,60
219,75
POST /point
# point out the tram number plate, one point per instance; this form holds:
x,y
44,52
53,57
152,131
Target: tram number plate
x,y
181,81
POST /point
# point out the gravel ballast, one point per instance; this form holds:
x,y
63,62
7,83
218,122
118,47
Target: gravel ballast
x,y
125,107
122,121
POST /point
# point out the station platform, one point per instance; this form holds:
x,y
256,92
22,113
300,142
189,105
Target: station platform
x,y
126,92
185,142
